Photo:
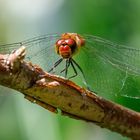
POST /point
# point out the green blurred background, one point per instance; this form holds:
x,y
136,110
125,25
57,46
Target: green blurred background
x,y
19,20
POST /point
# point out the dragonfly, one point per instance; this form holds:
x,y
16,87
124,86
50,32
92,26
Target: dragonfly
x,y
96,63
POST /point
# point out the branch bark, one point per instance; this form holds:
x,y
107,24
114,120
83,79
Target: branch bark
x,y
53,92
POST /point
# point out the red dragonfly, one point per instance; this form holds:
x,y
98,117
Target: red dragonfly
x,y
105,67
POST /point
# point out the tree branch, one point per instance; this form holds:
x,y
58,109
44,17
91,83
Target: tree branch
x,y
53,92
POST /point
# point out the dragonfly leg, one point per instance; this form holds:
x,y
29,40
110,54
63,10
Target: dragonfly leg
x,y
74,62
74,69
56,64
66,68
68,63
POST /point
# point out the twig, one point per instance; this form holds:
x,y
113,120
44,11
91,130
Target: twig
x,y
53,92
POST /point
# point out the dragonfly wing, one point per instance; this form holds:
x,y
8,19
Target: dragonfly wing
x,y
122,57
108,67
8,48
40,50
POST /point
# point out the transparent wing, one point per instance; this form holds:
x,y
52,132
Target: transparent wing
x,y
40,50
122,57
108,67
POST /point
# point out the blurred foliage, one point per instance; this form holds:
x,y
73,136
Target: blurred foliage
x,y
114,20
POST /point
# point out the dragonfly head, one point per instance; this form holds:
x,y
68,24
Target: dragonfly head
x,y
66,47
69,44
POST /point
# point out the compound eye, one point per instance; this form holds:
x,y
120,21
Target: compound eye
x,y
70,42
60,42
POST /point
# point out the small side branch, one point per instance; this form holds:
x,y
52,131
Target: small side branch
x,y
53,92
